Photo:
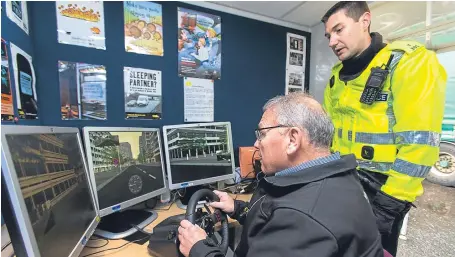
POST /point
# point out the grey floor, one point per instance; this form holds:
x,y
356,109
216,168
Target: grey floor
x,y
431,226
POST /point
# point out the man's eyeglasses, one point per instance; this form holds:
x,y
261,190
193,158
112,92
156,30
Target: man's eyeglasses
x,y
260,135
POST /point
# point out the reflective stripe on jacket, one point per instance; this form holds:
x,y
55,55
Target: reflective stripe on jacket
x,y
399,133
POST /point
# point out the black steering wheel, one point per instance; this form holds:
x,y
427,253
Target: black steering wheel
x,y
208,221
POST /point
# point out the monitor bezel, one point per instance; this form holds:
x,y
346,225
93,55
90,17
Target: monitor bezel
x,y
17,201
173,186
123,205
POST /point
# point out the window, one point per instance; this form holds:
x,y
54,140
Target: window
x,y
447,59
49,194
56,190
50,167
431,23
31,210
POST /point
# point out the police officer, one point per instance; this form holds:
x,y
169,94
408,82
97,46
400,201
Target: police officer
x,y
386,102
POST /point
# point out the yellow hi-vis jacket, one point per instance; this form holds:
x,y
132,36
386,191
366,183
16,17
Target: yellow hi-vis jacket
x,y
398,135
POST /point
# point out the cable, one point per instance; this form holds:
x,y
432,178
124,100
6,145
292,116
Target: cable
x,y
4,247
96,247
115,248
173,198
95,237
184,191
141,230
246,176
252,157
164,209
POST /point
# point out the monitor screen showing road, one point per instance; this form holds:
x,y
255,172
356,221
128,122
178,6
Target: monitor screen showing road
x,y
197,153
126,165
55,188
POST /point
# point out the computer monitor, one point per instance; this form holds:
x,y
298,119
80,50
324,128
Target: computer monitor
x,y
126,168
198,154
51,198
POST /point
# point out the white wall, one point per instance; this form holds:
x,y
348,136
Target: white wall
x,y
321,61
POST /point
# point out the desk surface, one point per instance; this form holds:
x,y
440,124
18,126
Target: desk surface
x,y
133,249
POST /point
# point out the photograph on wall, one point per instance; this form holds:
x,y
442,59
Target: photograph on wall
x,y
82,91
143,98
143,27
294,89
295,63
296,59
199,44
81,23
25,81
16,11
296,44
198,100
296,79
295,53
7,94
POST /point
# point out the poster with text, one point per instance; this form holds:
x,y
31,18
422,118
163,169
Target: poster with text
x,y
295,63
198,100
7,94
25,81
199,44
143,98
81,23
17,12
82,91
143,27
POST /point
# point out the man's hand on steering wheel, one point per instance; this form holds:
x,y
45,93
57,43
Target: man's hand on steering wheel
x,y
189,235
226,203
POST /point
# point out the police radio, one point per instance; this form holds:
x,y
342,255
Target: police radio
x,y
375,83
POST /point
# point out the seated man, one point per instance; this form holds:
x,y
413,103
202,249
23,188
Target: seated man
x,y
309,201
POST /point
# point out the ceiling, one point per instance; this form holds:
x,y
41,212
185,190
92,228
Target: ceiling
x,y
387,16
287,11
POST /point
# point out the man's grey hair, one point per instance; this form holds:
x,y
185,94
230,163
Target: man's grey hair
x,y
300,110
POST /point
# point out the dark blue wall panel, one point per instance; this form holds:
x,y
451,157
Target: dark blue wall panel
x,y
253,67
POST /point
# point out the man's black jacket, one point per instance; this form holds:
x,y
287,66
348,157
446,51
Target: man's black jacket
x,y
316,212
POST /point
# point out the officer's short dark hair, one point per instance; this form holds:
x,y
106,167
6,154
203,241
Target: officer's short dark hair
x,y
352,9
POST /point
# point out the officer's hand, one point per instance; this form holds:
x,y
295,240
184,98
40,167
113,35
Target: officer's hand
x,y
189,235
226,203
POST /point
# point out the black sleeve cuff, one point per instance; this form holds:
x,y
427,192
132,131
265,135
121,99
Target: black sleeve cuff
x,y
239,207
204,248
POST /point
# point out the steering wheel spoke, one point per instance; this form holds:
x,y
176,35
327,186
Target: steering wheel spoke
x,y
207,208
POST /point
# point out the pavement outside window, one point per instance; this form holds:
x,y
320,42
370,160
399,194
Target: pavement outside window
x,y
431,226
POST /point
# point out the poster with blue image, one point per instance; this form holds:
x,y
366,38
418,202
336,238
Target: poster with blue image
x,y
199,44
82,91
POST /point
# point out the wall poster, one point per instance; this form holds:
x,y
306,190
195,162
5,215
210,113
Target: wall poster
x,y
7,94
198,100
24,80
143,98
17,12
199,44
82,91
81,23
295,63
143,27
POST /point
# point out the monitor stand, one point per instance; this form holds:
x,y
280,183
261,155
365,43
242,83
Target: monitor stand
x,y
119,225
